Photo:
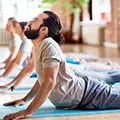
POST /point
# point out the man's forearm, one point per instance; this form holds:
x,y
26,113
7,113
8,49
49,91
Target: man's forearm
x,y
32,93
41,96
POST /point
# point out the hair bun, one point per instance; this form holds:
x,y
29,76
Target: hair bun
x,y
59,38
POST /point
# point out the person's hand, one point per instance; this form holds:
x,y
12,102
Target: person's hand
x,y
17,115
3,86
2,78
4,90
2,65
15,103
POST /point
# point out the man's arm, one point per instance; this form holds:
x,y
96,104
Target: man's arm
x,y
28,97
49,81
33,92
43,91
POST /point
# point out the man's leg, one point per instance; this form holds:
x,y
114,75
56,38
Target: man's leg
x,y
99,95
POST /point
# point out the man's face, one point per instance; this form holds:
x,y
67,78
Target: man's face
x,y
33,27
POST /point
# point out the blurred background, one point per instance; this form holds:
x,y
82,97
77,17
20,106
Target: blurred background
x,y
92,22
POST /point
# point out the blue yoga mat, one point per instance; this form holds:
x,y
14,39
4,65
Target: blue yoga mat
x,y
49,110
20,89
27,88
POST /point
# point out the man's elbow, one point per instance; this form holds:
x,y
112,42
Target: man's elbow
x,y
51,84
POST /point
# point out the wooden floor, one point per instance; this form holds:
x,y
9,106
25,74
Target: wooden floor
x,y
113,116
105,54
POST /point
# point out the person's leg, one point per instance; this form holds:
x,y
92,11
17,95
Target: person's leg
x,y
99,95
112,77
110,71
109,77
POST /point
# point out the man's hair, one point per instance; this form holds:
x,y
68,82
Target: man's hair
x,y
54,26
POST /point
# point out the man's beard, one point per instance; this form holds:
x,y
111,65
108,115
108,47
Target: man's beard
x,y
32,34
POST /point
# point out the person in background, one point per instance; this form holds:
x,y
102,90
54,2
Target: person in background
x,y
110,77
29,68
14,43
23,53
93,66
25,73
55,79
81,66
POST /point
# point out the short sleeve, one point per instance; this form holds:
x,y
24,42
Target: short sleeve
x,y
17,40
50,56
50,63
27,46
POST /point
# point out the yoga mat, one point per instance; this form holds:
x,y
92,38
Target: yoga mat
x,y
22,88
49,110
26,88
4,99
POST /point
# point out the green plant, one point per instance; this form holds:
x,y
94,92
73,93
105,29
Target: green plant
x,y
67,10
71,5
83,1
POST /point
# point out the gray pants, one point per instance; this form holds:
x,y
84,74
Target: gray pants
x,y
98,93
110,77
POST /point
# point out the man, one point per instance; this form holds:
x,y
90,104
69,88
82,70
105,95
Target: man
x,y
55,80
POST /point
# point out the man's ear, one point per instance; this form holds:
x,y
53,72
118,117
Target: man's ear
x,y
44,30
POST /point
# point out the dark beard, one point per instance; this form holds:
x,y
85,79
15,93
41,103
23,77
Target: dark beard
x,y
31,34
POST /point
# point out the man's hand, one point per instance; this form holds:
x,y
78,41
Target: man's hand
x,y
17,115
15,103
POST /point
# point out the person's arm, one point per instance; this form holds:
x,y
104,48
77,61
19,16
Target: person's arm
x,y
49,81
12,55
33,92
14,64
24,74
25,99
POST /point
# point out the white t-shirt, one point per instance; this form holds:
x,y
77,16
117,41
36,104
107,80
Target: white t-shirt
x,y
69,88
15,42
26,46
